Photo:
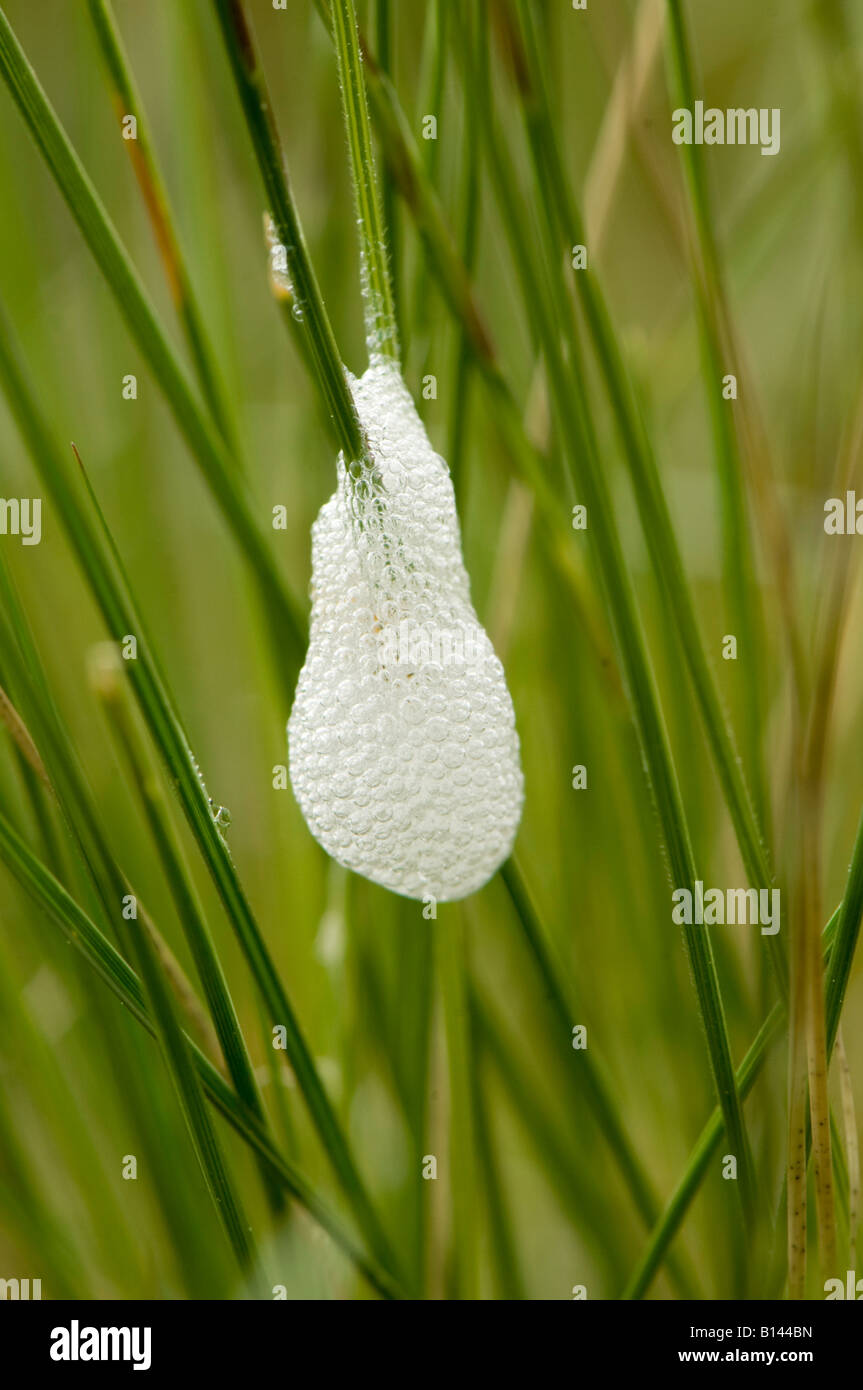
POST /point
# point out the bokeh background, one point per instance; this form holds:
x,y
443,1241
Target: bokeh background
x,y
81,1087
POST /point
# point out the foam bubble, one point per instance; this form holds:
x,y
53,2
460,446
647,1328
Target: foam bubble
x,y
403,751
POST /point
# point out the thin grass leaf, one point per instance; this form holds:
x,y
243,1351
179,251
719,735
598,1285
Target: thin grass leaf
x,y
566,386
178,1059
586,1203
838,941
68,789
108,680
405,164
429,102
509,1279
739,572
378,305
847,934
699,1162
385,43
120,616
114,262
468,224
592,1081
107,962
641,462
461,1062
308,310
127,101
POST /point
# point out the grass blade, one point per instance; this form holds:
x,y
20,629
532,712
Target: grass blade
x,y
127,101
566,386
385,42
461,1063
597,1089
845,944
839,942
107,962
309,312
113,260
107,679
120,616
378,306
641,463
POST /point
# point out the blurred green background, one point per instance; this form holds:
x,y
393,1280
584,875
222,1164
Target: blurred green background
x,y
81,1086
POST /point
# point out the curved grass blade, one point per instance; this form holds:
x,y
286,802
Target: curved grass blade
x,y
107,678
839,941
114,262
847,934
63,778
566,387
597,1089
119,613
403,159
641,463
175,1049
585,1201
699,1161
113,969
739,576
127,101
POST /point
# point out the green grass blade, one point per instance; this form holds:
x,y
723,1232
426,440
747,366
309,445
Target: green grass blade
x,y
738,559
508,1276
378,306
127,101
174,1045
699,1162
114,262
566,387
385,42
845,944
461,1062
170,739
469,219
584,1200
643,469
309,313
107,677
839,940
114,970
592,1082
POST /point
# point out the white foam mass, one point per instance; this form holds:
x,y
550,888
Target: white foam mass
x,y
403,750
